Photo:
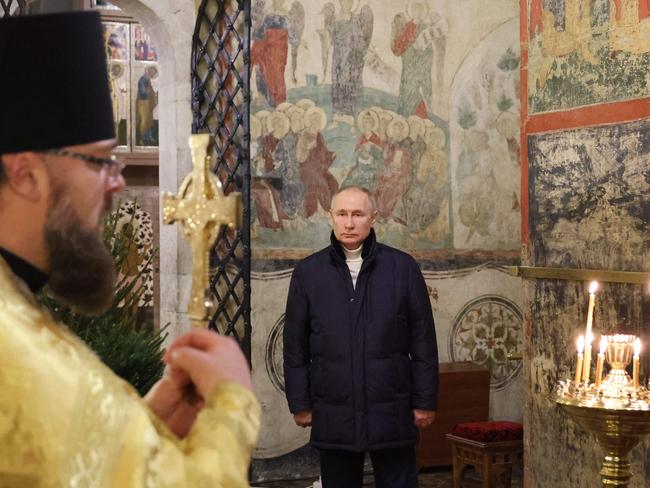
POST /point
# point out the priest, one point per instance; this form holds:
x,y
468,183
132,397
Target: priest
x,y
65,418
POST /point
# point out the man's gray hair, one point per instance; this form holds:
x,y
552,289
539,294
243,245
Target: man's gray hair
x,y
360,188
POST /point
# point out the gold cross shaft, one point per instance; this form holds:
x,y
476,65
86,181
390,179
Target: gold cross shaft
x,y
201,209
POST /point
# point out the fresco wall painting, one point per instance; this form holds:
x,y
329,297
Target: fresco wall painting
x,y
584,52
586,190
404,99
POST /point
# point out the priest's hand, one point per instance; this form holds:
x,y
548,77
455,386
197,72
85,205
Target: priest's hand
x,y
302,418
208,359
175,401
423,418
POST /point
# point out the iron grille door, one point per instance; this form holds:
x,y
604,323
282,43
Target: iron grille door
x,y
221,106
12,7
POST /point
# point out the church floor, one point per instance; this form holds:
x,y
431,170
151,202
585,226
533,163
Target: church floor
x,y
428,478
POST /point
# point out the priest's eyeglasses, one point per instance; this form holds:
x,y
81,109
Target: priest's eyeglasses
x,y
113,166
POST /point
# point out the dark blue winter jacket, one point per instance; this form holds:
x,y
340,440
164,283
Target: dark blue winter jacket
x,y
361,359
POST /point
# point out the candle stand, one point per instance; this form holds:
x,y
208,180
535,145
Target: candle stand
x,y
617,412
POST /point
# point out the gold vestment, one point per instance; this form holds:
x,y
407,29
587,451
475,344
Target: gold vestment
x,y
67,421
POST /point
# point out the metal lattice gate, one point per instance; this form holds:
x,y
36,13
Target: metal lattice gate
x,y
12,7
221,106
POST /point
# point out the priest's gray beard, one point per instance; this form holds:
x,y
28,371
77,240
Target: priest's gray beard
x,y
82,272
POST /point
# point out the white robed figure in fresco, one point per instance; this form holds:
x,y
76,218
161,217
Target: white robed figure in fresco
x,y
349,34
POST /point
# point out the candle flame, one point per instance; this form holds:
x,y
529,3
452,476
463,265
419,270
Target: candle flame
x,y
637,347
581,344
593,287
603,344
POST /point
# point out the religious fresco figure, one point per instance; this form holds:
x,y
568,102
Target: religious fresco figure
x,y
145,104
476,183
292,191
369,152
270,51
418,37
426,195
417,129
350,34
119,100
315,161
267,177
394,177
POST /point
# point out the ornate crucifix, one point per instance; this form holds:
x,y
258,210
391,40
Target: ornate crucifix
x,y
201,209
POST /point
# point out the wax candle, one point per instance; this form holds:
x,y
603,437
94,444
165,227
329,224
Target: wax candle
x,y
581,346
600,361
635,362
586,366
586,363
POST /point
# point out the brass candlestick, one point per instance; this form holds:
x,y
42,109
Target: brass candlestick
x,y
617,411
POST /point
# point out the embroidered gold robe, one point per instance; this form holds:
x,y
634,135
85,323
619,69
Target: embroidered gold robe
x,y
67,421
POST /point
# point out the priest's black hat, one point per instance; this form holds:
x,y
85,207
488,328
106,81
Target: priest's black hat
x,y
53,82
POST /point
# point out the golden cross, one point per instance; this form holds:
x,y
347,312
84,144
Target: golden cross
x,y
201,209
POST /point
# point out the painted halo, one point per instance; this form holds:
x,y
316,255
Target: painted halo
x,y
398,129
365,114
279,124
322,122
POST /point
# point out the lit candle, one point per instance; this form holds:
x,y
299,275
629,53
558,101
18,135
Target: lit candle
x,y
581,346
635,362
586,363
600,361
586,366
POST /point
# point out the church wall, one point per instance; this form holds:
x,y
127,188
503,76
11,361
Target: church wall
x,y
456,204
588,184
170,24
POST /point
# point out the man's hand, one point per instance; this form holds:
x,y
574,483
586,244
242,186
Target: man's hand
x,y
302,418
423,418
175,402
208,359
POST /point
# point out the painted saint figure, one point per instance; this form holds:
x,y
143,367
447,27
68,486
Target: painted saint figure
x,y
145,104
425,198
270,49
315,161
265,188
418,37
350,34
395,176
118,100
369,152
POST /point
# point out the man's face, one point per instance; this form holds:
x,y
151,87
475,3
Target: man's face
x,y
351,217
81,269
88,187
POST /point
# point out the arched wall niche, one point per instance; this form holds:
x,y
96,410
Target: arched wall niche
x,y
170,23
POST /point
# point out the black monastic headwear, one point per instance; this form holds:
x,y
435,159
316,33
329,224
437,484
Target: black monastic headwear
x,y
53,82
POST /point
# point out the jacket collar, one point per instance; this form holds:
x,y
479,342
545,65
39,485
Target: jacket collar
x,y
369,247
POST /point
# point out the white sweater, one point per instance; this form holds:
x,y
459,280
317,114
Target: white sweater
x,y
354,260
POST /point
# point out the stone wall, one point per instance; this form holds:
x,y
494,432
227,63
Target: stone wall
x,y
588,183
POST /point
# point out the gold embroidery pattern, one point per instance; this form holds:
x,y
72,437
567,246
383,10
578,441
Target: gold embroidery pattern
x,y
67,421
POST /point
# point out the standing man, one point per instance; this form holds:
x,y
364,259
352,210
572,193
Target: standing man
x,y
65,418
360,354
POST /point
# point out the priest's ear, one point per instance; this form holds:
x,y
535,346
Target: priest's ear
x,y
24,174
